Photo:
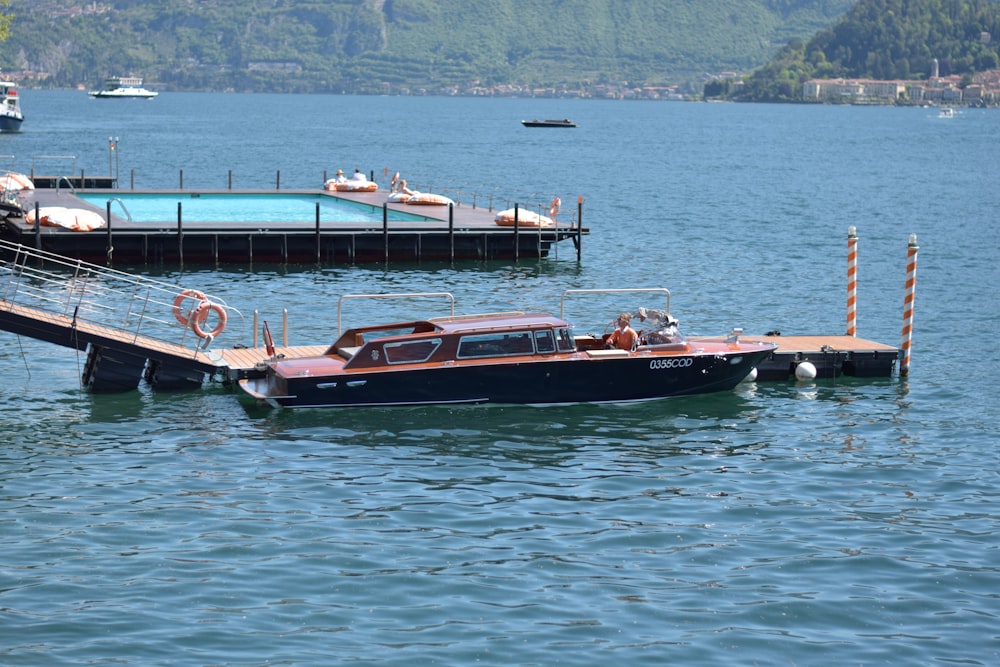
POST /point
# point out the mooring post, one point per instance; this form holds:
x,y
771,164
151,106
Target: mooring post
x,y
911,283
277,180
132,179
579,226
852,281
230,179
180,235
111,247
385,229
38,229
181,179
516,230
318,237
451,232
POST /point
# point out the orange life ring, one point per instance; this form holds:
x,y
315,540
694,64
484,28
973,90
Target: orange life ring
x,y
554,207
185,316
200,316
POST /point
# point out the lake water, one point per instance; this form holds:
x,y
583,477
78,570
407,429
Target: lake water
x,y
848,522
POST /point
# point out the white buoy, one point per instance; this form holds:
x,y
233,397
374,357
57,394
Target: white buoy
x,y
805,371
751,376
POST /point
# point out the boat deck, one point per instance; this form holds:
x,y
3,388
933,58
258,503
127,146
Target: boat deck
x,y
462,231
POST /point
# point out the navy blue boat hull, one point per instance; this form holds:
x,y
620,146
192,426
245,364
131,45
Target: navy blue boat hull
x,y
556,381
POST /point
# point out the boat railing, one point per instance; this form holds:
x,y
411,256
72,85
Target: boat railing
x,y
35,283
38,158
406,295
638,290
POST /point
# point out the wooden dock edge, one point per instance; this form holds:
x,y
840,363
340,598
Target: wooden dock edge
x,y
832,356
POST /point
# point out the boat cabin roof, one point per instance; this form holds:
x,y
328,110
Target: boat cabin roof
x,y
454,325
490,321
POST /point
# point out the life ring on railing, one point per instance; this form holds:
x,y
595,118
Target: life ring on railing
x,y
395,182
554,207
200,316
185,316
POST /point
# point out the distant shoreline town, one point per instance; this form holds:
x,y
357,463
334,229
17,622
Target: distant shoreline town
x,y
980,90
984,90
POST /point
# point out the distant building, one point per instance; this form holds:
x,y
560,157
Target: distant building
x,y
852,89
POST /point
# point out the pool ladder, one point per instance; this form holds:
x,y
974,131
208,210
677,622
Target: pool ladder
x,y
128,215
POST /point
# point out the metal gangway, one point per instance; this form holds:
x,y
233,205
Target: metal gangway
x,y
132,327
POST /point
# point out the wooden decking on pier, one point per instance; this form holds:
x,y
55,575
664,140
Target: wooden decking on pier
x,y
465,231
832,355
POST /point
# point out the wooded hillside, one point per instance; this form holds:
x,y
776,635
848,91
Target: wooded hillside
x,y
373,46
887,39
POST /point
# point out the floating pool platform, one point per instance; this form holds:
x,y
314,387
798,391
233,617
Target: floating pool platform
x,y
383,232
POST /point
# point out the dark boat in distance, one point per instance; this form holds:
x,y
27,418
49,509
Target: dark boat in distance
x,y
565,122
505,358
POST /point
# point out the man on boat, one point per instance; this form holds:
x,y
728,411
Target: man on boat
x,y
624,337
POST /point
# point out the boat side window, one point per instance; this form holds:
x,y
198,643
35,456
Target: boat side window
x,y
411,352
565,341
544,342
497,344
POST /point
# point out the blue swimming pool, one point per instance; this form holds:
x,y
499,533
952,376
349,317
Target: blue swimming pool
x,y
239,207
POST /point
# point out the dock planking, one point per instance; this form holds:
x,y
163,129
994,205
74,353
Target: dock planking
x,y
832,355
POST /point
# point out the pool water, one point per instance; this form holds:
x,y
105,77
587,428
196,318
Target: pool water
x,y
239,207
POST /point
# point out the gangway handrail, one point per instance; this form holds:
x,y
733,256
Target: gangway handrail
x,y
133,306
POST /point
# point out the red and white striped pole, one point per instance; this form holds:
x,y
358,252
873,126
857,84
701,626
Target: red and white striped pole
x,y
852,281
911,282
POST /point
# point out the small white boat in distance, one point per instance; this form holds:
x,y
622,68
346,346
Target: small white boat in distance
x,y
10,108
946,112
123,86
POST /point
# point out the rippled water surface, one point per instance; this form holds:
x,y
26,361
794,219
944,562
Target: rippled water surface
x,y
847,522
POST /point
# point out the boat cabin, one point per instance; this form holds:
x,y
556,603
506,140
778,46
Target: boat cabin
x,y
458,338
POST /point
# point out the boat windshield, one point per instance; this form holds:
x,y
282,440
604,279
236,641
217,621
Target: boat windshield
x,y
565,340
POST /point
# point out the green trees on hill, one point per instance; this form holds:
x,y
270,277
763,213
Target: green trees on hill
x,y
366,46
887,39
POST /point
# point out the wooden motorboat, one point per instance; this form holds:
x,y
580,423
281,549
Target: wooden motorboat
x,y
510,358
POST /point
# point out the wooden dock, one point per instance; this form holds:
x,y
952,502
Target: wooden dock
x,y
447,233
832,356
135,328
